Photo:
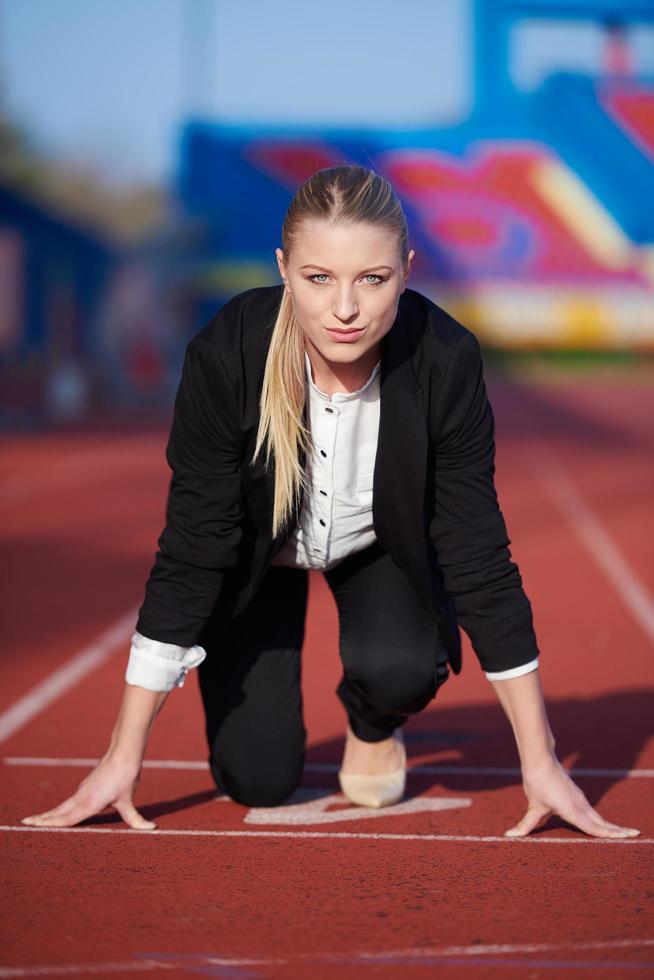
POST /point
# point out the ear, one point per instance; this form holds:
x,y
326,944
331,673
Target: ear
x,y
279,255
409,263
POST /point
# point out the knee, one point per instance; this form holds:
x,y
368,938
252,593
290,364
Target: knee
x,y
401,687
252,787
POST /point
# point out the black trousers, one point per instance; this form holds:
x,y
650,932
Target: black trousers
x,y
393,663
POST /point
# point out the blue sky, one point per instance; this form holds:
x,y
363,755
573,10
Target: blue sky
x,y
110,81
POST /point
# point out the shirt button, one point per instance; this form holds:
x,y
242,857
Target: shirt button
x,y
330,410
322,522
322,452
324,493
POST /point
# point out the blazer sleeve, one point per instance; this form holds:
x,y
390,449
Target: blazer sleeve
x,y
204,509
468,529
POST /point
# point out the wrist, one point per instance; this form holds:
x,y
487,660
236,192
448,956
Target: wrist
x,y
124,754
127,745
538,750
539,762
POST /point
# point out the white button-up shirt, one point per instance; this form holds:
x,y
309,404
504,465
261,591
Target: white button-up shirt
x,y
336,515
335,518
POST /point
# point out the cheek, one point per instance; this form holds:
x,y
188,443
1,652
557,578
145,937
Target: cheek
x,y
308,306
382,309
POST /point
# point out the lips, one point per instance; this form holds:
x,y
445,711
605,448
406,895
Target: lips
x,y
344,336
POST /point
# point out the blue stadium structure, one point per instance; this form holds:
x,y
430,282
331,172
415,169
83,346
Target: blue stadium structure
x,y
532,219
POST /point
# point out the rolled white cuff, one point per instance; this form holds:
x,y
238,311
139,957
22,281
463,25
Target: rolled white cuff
x,y
500,675
160,666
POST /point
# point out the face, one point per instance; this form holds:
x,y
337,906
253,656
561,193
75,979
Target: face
x,y
345,281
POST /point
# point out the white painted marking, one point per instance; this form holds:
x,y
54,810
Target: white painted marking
x,y
330,835
73,969
188,961
502,948
312,807
66,676
593,535
201,766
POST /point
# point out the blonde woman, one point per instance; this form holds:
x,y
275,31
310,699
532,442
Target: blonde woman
x,y
338,421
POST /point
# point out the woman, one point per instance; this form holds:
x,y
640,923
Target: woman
x,y
339,422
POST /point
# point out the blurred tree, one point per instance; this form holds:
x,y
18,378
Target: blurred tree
x,y
78,191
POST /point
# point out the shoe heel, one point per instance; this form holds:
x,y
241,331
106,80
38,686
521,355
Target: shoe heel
x,y
378,789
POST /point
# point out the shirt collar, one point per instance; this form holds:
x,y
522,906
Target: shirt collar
x,y
340,396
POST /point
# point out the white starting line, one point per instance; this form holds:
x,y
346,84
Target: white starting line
x,y
330,835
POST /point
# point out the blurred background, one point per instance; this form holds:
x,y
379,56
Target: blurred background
x,y
149,149
148,152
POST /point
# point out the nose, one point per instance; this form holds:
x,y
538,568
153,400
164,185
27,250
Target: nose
x,y
345,305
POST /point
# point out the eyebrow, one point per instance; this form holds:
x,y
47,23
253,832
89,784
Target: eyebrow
x,y
312,265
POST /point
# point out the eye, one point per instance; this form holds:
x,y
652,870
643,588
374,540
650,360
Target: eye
x,y
320,278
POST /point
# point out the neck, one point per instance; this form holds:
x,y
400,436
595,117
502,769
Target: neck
x,y
332,377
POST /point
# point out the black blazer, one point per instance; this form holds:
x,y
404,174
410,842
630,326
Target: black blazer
x,y
435,508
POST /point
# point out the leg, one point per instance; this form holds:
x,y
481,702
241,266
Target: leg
x,y
393,658
250,687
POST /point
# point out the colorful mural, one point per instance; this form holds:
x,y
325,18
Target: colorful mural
x,y
529,218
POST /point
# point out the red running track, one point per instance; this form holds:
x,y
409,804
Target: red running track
x,y
320,888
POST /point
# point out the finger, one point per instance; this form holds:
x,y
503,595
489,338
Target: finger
x,y
580,807
602,822
529,822
66,818
55,811
582,819
131,816
76,808
596,830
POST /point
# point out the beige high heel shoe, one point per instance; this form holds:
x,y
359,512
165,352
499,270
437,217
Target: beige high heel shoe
x,y
377,789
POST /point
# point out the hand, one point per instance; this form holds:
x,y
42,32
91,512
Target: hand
x,y
112,783
549,789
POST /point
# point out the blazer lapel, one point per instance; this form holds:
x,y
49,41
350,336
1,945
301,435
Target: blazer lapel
x,y
402,479
402,453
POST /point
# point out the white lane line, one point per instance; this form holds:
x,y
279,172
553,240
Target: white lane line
x,y
198,961
73,969
511,948
66,676
593,535
199,765
331,835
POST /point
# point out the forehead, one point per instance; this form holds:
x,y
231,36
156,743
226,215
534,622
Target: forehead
x,y
343,244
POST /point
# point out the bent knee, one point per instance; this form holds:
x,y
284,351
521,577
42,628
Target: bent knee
x,y
403,688
252,788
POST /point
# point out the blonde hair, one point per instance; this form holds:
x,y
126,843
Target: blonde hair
x,y
349,193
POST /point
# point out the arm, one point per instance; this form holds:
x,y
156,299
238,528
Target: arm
x,y
471,541
153,670
547,785
114,780
200,540
468,529
204,513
